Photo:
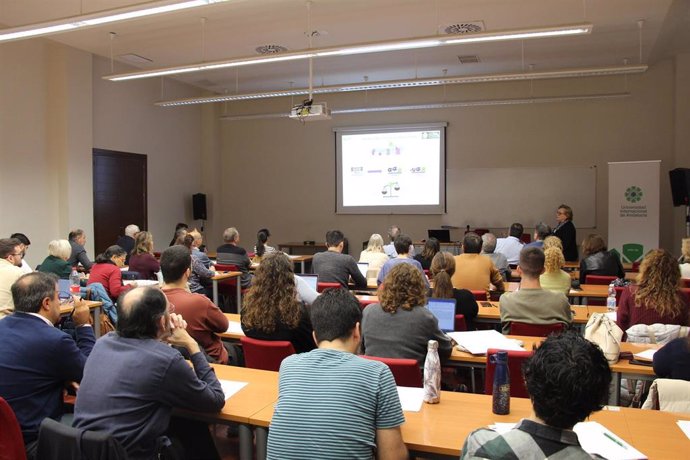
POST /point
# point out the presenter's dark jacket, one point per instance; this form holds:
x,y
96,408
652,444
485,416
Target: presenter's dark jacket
x,y
566,232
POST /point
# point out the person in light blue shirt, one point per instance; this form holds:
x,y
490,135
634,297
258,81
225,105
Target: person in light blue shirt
x,y
393,232
541,231
402,243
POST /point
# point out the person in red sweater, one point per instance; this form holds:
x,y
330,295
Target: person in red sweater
x,y
656,298
142,259
204,319
106,271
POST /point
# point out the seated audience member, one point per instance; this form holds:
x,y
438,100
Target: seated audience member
x,y
511,245
134,379
37,359
553,278
332,403
541,231
26,268
262,246
656,297
402,245
672,361
532,304
685,259
107,271
204,319
334,267
272,309
473,271
552,242
431,248
56,262
389,249
180,231
442,269
127,241
200,280
142,259
596,260
10,271
565,231
567,379
400,325
499,260
231,254
77,239
374,256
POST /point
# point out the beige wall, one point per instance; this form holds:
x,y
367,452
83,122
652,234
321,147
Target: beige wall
x,y
279,173
682,137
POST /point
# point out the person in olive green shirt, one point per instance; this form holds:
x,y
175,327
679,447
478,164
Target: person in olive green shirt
x,y
553,278
59,251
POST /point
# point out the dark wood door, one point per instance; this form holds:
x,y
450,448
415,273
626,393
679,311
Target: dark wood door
x,y
119,195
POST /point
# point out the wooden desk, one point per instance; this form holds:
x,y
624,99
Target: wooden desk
x,y
305,248
95,308
220,276
232,336
585,291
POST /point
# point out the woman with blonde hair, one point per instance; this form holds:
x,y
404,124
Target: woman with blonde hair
x,y
685,258
552,242
56,262
400,326
656,298
272,309
442,269
142,259
553,278
596,260
374,256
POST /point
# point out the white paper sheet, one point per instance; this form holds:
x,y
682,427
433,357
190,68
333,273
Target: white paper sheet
x,y
411,398
230,387
501,427
141,282
646,355
234,327
685,427
595,438
477,342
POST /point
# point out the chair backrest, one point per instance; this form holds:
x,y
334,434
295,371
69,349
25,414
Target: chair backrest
x,y
57,441
11,440
479,295
517,383
322,286
599,279
635,267
685,282
229,282
535,330
619,292
405,371
364,303
265,354
460,323
526,238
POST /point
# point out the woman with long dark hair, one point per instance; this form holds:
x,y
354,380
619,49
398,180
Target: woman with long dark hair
x,y
142,259
107,271
431,248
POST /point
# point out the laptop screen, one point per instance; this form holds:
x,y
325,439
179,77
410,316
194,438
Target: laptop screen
x,y
311,280
64,289
444,311
363,267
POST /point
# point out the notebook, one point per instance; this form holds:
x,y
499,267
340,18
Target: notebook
x,y
363,268
312,280
444,311
442,235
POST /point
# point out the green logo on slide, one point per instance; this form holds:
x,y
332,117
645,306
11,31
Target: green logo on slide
x,y
633,194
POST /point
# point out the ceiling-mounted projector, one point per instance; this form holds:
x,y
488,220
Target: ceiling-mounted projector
x,y
308,111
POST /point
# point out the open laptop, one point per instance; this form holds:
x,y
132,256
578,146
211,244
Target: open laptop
x,y
442,235
444,311
312,280
363,268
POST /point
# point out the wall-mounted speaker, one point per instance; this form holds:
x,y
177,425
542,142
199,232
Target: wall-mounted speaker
x,y
199,206
680,186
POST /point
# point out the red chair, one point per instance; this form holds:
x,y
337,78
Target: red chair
x,y
535,330
363,303
265,354
526,238
405,371
320,287
11,440
635,267
517,383
686,292
228,287
479,295
460,323
619,291
601,280
685,282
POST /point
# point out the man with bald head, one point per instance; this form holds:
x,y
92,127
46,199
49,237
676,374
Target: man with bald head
x,y
135,379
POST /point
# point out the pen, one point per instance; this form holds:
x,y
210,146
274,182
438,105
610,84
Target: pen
x,y
615,440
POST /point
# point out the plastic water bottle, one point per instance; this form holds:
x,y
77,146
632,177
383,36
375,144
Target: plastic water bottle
x,y
74,281
432,374
611,298
501,391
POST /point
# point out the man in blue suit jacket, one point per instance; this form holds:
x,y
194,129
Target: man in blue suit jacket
x,y
37,359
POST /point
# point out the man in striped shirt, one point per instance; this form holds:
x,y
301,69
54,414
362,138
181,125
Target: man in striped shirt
x,y
332,403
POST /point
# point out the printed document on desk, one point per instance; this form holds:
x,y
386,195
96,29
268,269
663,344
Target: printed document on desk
x,y
234,327
477,342
595,438
230,387
411,398
647,355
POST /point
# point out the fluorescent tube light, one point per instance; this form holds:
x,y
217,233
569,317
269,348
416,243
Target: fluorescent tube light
x,y
363,48
99,18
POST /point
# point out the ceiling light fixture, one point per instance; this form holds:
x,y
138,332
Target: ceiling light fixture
x,y
367,86
100,18
364,48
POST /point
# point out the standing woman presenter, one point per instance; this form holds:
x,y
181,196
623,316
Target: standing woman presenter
x,y
565,230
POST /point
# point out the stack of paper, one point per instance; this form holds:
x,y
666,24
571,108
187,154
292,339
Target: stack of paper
x,y
411,398
646,355
234,327
230,387
477,342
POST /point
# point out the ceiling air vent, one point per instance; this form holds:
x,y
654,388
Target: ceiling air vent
x,y
270,49
469,59
470,27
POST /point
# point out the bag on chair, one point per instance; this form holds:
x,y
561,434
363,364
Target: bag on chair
x,y
657,333
603,331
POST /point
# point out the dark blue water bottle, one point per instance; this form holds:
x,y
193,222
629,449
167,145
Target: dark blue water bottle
x,y
501,393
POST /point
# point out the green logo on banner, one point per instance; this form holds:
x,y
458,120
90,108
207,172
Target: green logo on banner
x,y
632,252
633,194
